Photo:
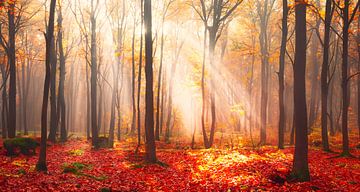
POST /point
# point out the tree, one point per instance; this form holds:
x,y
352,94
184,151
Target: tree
x,y
53,97
157,125
324,76
314,90
140,72
264,12
133,120
281,74
215,18
150,148
62,59
41,164
344,72
300,164
118,26
93,78
178,46
11,52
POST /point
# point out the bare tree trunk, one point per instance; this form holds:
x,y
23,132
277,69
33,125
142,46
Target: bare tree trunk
x,y
133,121
344,77
53,115
61,97
212,44
93,78
157,127
264,69
324,76
139,75
281,75
206,140
300,164
12,64
41,164
150,148
315,73
5,109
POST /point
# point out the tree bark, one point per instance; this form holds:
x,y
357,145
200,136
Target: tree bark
x,y
150,148
344,76
61,97
157,127
41,164
53,112
300,164
93,78
324,77
133,121
281,75
12,63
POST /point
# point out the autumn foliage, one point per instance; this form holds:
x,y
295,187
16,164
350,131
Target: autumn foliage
x,y
74,166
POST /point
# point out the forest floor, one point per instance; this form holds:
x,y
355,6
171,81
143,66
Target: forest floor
x,y
182,169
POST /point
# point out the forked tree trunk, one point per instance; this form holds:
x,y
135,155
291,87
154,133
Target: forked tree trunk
x,y
324,77
41,164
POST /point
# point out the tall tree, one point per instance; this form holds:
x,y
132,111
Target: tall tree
x,y
150,148
133,120
62,59
93,76
300,164
314,90
264,10
281,74
157,125
215,18
41,164
53,97
345,9
324,75
178,47
11,52
118,26
140,73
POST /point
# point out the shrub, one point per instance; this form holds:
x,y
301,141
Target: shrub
x,y
26,146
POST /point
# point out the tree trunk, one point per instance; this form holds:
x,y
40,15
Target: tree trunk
x,y
93,78
150,148
157,127
140,72
324,77
133,121
314,78
41,164
212,44
358,78
53,115
264,71
5,109
61,97
206,140
12,64
300,165
281,75
344,76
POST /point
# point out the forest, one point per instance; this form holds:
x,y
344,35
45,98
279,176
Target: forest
x,y
179,95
